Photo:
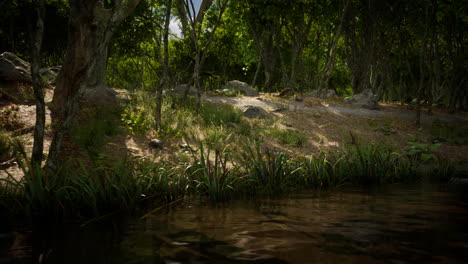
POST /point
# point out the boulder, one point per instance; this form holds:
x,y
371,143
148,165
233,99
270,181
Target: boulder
x,y
13,68
255,112
324,94
241,87
365,99
99,96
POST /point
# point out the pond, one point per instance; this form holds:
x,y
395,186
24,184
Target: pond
x,y
421,223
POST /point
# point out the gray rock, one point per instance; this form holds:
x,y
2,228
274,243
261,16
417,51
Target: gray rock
x,y
241,87
365,99
299,99
255,112
13,68
156,144
99,96
50,74
323,94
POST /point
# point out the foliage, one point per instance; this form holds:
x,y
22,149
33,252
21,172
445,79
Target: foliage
x,y
135,121
9,118
420,151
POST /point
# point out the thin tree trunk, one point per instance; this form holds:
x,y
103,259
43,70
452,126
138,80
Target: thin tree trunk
x,y
422,73
165,64
38,145
259,64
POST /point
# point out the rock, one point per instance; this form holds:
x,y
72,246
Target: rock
x,y
241,87
156,144
182,88
317,115
50,74
99,96
299,99
365,99
13,68
255,112
324,94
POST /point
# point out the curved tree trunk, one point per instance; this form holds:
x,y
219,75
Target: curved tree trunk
x,y
91,27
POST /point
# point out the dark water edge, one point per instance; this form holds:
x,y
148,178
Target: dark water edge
x,y
419,223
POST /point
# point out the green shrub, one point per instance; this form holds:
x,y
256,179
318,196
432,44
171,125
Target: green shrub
x,y
420,151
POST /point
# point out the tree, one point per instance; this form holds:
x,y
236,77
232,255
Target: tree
x,y
165,81
92,24
36,37
192,23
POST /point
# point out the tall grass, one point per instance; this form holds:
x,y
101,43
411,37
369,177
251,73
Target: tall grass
x,y
215,173
214,176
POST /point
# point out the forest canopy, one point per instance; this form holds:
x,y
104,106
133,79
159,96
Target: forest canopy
x,y
400,49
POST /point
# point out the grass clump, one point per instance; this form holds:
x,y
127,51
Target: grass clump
x,y
215,177
288,137
219,114
7,148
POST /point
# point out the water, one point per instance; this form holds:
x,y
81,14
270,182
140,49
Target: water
x,y
395,224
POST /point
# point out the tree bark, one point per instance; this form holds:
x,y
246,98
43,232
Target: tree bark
x,y
38,145
90,29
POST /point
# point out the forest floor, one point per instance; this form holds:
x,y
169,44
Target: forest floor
x,y
326,123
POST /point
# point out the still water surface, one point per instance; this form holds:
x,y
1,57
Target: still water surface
x,y
421,223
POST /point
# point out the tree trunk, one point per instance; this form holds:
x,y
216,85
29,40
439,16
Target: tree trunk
x,y
254,81
38,146
90,29
165,63
330,64
422,72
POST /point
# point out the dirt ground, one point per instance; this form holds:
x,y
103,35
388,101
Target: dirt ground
x,y
327,123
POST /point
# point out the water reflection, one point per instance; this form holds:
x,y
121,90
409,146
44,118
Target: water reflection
x,y
397,224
